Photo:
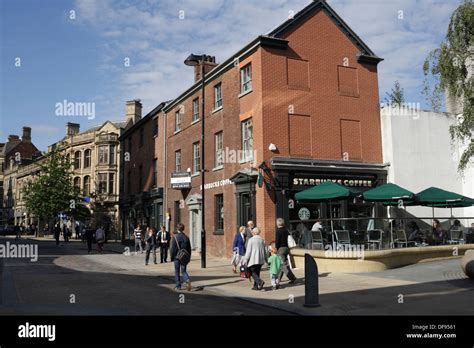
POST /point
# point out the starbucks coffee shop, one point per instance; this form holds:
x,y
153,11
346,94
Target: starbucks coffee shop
x,y
295,175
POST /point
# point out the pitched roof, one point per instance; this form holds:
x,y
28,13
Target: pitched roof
x,y
274,39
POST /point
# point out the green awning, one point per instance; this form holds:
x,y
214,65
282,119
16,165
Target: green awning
x,y
388,193
325,191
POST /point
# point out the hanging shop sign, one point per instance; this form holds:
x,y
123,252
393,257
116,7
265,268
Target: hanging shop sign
x,y
180,181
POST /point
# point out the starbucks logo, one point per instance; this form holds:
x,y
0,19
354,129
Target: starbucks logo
x,y
304,214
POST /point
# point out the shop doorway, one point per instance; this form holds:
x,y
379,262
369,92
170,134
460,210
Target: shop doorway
x,y
194,229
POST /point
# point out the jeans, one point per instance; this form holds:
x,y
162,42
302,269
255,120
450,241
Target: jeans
x,y
180,268
138,243
285,268
275,280
150,248
255,271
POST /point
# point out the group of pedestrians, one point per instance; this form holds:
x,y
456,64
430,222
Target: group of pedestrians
x,y
91,235
153,241
250,253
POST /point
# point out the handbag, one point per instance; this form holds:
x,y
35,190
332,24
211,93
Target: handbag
x,y
244,272
182,255
291,242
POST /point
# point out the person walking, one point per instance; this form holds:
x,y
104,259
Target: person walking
x,y
89,236
57,233
65,233
46,230
238,248
275,262
17,230
180,245
281,243
150,241
255,257
163,241
137,234
248,231
100,238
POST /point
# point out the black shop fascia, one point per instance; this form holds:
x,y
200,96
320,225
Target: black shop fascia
x,y
295,175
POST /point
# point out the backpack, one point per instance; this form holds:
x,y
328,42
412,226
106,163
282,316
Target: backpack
x,y
182,255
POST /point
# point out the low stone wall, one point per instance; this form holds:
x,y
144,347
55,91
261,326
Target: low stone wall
x,y
378,260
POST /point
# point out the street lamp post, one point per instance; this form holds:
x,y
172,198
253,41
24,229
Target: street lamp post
x,y
195,60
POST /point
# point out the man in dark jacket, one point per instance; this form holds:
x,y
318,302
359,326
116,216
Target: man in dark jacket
x,y
150,240
57,233
180,241
89,236
281,243
163,240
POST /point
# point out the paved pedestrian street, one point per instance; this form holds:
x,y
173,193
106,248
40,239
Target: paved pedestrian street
x,y
66,280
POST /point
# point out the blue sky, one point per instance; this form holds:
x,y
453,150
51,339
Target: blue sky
x,y
82,59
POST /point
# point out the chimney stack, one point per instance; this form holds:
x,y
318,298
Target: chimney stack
x,y
13,138
26,137
209,64
134,110
72,128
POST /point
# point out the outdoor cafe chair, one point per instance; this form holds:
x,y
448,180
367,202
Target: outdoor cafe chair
x,y
317,239
342,237
455,237
374,237
402,240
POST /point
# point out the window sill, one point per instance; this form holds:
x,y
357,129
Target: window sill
x,y
217,109
176,132
246,161
218,168
197,121
219,232
195,174
245,93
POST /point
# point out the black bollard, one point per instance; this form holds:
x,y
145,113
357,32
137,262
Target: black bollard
x,y
311,282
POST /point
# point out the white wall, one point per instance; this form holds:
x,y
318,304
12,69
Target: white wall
x,y
418,147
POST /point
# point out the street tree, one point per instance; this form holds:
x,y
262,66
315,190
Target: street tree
x,y
396,97
52,191
450,69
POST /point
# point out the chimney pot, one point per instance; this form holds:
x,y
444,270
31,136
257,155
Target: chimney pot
x,y
209,64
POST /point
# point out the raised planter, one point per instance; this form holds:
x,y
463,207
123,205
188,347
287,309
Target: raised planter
x,y
379,260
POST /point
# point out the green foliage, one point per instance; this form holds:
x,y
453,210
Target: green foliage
x,y
448,69
397,96
52,190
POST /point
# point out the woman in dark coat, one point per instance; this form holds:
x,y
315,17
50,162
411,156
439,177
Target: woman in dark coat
x,y
238,248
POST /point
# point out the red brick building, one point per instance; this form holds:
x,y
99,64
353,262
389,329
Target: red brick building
x,y
299,105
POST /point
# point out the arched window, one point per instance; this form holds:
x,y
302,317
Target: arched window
x,y
87,158
77,182
87,185
77,160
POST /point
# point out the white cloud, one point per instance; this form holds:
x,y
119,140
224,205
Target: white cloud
x,y
157,41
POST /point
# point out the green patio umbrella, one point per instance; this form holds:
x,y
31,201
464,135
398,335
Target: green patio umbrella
x,y
389,194
435,195
326,192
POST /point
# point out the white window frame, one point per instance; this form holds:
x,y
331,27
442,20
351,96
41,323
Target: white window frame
x,y
246,79
196,158
177,121
247,140
177,161
219,149
196,115
218,96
